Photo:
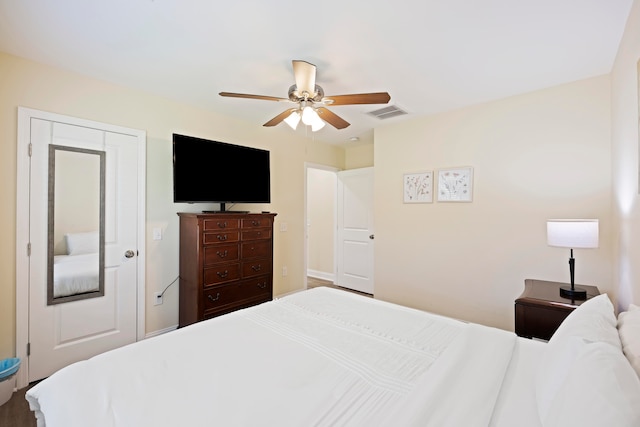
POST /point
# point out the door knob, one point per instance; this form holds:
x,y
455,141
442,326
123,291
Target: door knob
x,y
129,254
371,236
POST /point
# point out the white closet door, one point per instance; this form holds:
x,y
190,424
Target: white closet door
x,y
355,230
64,333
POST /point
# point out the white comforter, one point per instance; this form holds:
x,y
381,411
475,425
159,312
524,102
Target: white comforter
x,y
316,358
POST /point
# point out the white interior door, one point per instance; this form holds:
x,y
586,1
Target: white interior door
x,y
355,230
61,334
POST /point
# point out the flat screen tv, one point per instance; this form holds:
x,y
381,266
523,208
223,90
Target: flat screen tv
x,y
206,171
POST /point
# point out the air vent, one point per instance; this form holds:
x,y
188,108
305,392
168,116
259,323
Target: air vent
x,y
387,112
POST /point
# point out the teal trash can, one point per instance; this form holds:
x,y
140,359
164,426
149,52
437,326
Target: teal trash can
x,y
8,369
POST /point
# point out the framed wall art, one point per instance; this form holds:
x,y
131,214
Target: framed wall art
x,y
455,184
418,187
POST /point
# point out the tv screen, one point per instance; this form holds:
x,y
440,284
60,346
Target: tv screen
x,y
218,172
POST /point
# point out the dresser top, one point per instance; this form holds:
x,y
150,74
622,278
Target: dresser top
x,y
226,213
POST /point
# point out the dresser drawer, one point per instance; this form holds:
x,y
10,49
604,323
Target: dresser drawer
x,y
220,237
221,274
258,234
218,224
221,253
248,223
256,267
219,297
256,249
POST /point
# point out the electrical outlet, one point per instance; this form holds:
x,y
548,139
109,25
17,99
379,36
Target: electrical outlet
x,y
284,271
157,298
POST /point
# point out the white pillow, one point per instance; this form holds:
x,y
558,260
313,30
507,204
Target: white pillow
x,y
592,322
600,389
629,331
82,243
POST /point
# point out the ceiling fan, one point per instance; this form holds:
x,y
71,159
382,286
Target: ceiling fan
x,y
312,102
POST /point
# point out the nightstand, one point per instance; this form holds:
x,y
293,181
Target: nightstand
x,y
540,309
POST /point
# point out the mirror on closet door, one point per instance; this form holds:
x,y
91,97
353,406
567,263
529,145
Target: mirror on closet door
x,y
75,224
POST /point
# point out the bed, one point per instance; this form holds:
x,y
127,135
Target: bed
x,y
325,357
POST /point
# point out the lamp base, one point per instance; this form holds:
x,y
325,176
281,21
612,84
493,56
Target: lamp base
x,y
576,293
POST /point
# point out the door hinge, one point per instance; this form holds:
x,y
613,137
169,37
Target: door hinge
x,y
29,249
30,149
28,349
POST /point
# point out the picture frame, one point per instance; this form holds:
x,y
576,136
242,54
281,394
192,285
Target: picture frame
x,y
418,187
455,184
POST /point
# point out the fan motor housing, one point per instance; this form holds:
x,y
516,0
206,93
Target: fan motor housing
x,y
295,96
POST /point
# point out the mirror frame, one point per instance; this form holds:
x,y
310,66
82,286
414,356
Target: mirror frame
x,y
50,224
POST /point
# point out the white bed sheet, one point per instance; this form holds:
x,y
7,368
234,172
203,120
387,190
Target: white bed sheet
x,y
75,274
316,358
517,399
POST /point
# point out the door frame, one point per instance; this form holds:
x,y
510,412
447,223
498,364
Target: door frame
x,y
23,173
308,166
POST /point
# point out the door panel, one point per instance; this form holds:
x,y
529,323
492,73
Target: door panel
x,y
67,332
355,230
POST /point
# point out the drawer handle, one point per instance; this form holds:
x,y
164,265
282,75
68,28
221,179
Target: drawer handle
x,y
222,237
223,274
212,299
256,267
262,285
222,254
255,223
222,224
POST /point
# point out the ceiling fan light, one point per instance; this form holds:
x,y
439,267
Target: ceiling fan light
x,y
309,115
293,120
317,124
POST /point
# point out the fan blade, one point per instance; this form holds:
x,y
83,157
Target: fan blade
x,y
358,98
245,95
305,76
332,118
279,118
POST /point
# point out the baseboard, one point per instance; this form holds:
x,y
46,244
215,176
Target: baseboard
x,y
321,275
160,332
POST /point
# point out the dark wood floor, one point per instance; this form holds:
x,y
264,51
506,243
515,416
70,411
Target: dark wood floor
x,y
16,412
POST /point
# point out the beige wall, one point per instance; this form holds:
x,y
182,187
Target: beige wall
x,y
360,156
29,84
625,84
536,156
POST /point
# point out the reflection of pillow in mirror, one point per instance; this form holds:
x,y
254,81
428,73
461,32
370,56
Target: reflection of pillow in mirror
x,y
629,330
82,243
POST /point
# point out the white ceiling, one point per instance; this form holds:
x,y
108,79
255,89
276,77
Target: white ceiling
x,y
430,55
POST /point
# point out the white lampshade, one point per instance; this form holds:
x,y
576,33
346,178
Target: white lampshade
x,y
293,120
309,115
317,124
572,233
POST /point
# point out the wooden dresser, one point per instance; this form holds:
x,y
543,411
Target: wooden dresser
x,y
226,263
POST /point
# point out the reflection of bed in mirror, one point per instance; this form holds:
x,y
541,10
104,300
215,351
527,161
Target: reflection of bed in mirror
x,y
77,271
75,274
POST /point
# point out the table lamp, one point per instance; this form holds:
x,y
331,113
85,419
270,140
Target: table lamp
x,y
573,234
